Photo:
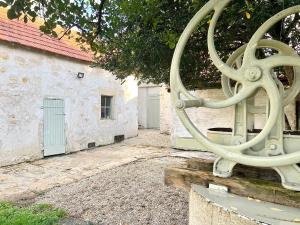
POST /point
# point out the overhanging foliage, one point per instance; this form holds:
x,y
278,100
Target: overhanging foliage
x,y
139,36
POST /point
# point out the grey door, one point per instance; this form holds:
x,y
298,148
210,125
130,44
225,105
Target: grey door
x,y
153,112
54,127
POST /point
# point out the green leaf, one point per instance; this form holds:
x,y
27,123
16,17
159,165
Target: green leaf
x,y
11,14
248,15
3,4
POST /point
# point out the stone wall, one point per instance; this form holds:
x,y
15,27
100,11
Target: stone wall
x,y
205,118
165,111
203,210
28,76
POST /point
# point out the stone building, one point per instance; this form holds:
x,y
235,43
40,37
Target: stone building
x,y
52,101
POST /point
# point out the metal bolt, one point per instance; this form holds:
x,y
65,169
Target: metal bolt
x,y
273,147
180,104
253,74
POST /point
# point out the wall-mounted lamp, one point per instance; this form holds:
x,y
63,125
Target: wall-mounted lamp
x,y
80,75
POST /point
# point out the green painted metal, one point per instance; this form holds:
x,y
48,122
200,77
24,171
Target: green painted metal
x,y
188,143
54,127
267,148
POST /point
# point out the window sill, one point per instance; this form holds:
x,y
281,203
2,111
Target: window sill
x,y
103,119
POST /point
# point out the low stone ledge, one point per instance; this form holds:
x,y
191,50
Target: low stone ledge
x,y
212,207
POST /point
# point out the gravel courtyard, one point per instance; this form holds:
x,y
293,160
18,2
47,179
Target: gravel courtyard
x,y
132,194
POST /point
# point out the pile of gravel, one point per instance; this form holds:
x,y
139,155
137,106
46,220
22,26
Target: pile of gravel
x,y
133,194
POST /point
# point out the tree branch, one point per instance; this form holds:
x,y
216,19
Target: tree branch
x,y
65,32
100,12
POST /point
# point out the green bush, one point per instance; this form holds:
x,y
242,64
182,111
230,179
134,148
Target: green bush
x,y
40,214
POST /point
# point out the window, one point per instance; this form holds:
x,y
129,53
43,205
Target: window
x,y
106,107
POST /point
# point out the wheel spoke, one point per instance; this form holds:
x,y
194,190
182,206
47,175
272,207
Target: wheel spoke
x,y
280,60
251,73
257,36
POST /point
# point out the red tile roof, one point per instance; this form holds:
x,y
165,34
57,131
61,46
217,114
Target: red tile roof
x,y
18,32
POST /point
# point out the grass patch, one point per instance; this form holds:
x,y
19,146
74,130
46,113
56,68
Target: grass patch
x,y
40,214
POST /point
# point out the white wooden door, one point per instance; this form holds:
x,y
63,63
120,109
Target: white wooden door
x,y
153,112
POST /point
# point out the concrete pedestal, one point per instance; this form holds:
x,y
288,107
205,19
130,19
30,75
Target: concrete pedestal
x,y
214,207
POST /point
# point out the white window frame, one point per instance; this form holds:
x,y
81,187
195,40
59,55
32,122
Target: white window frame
x,y
111,116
